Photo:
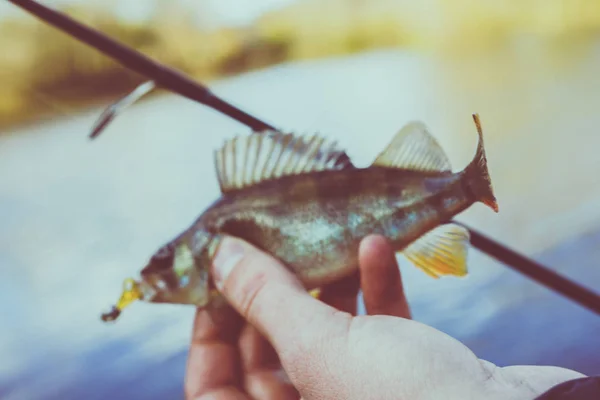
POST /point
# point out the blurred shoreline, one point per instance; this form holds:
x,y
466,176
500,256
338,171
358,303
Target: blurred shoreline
x,y
46,73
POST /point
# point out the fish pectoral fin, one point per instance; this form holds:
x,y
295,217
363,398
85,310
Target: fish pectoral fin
x,y
246,160
414,148
315,293
441,251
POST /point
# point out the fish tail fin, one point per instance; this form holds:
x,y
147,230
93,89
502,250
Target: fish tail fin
x,y
477,175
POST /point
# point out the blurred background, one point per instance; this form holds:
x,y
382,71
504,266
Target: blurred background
x,y
76,217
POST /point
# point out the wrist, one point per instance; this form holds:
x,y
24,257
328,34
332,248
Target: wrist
x,y
529,382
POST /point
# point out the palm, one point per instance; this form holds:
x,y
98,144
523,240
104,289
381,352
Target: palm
x,y
233,361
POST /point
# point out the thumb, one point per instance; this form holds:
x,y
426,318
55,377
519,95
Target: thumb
x,y
271,298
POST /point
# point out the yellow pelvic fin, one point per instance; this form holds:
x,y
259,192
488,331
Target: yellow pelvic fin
x,y
414,148
441,251
315,293
246,160
131,292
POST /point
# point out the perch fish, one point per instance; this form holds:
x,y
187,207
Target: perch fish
x,y
299,199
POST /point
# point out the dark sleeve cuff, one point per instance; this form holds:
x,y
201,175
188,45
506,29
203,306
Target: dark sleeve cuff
x,y
581,389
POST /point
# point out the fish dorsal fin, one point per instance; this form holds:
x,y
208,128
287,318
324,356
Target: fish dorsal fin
x,y
414,148
246,160
441,251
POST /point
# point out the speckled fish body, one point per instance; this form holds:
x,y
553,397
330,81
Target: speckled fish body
x,y
297,199
314,222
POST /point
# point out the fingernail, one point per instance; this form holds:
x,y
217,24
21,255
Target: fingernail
x,y
229,252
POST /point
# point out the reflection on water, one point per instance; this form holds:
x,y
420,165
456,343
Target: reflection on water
x,y
77,217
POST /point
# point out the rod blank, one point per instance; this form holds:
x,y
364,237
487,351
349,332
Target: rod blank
x,y
536,271
162,75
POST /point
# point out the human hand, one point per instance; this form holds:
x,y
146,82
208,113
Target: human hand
x,y
331,354
232,360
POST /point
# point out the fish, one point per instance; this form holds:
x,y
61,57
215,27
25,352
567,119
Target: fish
x,y
300,199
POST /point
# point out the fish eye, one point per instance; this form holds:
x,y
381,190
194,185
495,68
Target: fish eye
x,y
162,259
164,252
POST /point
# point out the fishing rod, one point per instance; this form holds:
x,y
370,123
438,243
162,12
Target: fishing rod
x,y
162,74
178,82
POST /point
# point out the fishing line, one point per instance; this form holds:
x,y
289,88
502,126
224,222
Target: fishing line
x,y
177,82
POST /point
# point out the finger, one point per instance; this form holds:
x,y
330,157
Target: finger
x,y
343,294
213,359
223,393
270,385
265,378
271,297
381,282
255,351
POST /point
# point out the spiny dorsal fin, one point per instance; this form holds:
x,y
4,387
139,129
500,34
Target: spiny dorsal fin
x,y
414,148
246,160
441,251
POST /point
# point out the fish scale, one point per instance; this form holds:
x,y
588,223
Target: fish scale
x,y
297,199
